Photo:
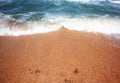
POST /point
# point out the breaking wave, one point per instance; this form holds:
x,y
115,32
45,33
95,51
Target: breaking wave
x,y
22,17
102,25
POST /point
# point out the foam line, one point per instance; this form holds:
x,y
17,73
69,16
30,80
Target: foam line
x,y
102,25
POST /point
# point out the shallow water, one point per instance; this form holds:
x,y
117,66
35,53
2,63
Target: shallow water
x,y
39,16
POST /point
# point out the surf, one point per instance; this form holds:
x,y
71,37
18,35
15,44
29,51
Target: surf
x,y
102,25
26,17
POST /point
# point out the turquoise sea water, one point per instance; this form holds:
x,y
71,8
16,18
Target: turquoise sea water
x,y
38,9
58,12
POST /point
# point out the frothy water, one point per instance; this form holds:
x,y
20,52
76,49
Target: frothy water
x,y
103,25
23,17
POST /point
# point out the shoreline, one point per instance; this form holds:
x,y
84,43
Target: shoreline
x,y
96,25
63,56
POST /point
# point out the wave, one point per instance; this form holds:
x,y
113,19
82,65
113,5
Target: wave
x,y
54,1
82,1
24,17
23,8
102,25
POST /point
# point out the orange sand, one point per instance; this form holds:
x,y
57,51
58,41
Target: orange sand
x,y
60,57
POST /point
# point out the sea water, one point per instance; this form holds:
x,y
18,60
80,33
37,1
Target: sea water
x,y
41,16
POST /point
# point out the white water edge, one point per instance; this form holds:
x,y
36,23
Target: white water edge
x,y
100,25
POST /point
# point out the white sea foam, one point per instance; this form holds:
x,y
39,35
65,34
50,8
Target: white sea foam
x,y
102,25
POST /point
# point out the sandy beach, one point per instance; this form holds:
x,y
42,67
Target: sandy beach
x,y
62,56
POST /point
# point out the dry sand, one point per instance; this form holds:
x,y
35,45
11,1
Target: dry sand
x,y
60,57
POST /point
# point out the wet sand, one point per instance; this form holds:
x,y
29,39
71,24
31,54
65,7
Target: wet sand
x,y
62,56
